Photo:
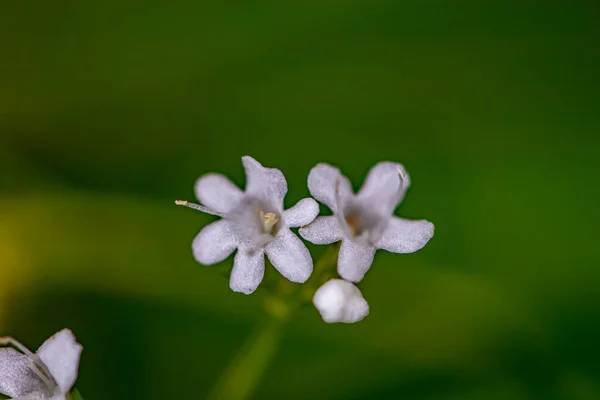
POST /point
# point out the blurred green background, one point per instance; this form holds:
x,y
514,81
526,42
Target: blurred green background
x,y
110,110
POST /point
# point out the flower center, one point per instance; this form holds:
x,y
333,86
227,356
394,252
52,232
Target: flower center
x,y
364,225
269,220
356,224
353,225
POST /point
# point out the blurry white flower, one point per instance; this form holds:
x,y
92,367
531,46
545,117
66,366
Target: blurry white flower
x,y
255,223
364,222
340,301
48,374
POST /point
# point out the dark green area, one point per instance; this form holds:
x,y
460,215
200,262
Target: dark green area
x,y
110,110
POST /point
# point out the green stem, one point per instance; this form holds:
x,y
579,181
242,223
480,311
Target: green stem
x,y
240,379
74,395
244,373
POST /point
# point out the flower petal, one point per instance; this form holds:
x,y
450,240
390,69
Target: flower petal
x,y
248,270
61,355
322,182
405,236
303,213
218,193
340,301
215,242
384,187
354,260
323,230
290,256
16,379
264,183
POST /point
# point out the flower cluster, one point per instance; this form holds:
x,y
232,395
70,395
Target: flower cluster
x,y
47,374
255,223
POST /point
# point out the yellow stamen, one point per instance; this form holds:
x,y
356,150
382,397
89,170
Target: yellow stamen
x,y
269,220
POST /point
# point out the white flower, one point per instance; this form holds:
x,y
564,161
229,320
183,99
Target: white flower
x,y
255,223
364,222
48,374
340,301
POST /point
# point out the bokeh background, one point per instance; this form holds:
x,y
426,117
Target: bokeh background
x,y
110,110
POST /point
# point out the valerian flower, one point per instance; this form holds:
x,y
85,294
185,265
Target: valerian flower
x,y
253,222
364,222
340,301
50,373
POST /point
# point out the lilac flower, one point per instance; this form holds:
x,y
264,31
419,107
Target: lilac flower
x,y
48,374
253,222
340,301
364,222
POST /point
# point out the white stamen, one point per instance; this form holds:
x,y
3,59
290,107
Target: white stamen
x,y
33,366
402,177
401,173
198,207
34,363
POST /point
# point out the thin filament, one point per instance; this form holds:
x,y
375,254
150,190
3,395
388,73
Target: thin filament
x,y
198,207
34,363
